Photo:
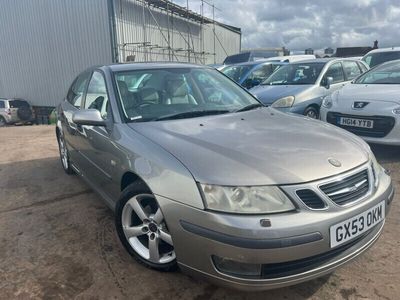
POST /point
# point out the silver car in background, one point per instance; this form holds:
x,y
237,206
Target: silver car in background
x,y
200,175
300,87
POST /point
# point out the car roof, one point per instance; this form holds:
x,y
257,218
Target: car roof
x,y
120,67
257,62
384,50
324,60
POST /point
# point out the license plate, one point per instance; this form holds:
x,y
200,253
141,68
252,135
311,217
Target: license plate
x,y
353,227
362,123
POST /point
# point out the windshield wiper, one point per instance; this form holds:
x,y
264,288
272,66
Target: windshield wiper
x,y
250,107
191,114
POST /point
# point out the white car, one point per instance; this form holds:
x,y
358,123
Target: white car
x,y
381,55
370,106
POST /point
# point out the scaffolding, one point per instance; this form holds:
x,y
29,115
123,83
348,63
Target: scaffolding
x,y
168,32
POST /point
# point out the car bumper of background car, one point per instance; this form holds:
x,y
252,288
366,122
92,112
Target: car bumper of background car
x,y
230,249
391,138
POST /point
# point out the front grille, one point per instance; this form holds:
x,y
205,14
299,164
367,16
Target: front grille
x,y
270,271
349,189
310,199
382,124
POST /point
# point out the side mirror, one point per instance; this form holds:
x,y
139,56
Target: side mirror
x,y
91,117
328,82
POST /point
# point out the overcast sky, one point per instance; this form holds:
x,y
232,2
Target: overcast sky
x,y
300,24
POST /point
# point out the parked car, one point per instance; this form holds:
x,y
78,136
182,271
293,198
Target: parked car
x,y
15,111
379,56
251,74
200,174
291,58
300,87
370,106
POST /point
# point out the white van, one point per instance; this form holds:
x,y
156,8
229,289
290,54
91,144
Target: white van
x,y
290,58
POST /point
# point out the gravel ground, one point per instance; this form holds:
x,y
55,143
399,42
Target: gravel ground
x,y
58,239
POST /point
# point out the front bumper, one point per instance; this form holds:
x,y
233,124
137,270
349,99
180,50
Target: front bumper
x,y
291,237
390,138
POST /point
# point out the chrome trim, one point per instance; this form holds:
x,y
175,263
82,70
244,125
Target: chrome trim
x,y
315,187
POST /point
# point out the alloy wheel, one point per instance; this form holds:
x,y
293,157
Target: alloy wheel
x,y
63,152
145,229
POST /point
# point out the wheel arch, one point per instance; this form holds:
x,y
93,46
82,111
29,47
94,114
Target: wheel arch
x,y
129,178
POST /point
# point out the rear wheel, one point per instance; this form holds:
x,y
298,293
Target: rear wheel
x,y
311,112
64,156
142,229
2,121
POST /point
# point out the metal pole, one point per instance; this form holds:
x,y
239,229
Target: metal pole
x,y
169,37
144,32
187,17
213,14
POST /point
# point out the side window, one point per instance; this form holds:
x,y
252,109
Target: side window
x,y
96,95
2,105
336,72
76,90
351,69
262,73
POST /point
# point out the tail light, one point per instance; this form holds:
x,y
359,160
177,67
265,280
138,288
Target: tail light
x,y
8,111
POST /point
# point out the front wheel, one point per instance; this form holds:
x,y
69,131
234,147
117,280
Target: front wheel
x,y
142,229
64,156
311,112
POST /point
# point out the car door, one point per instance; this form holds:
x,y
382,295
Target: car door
x,y
71,104
336,72
95,143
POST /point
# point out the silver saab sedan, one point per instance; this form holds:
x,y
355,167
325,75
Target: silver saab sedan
x,y
200,175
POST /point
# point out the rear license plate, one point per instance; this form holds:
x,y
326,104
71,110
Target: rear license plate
x,y
362,123
353,227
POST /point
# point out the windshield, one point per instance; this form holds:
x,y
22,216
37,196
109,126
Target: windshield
x,y
378,58
295,74
188,92
236,73
385,74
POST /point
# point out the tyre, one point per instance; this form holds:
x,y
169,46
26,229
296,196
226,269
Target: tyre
x,y
142,229
311,112
24,113
2,121
64,156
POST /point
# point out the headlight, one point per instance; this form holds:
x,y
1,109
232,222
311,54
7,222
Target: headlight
x,y
327,102
246,200
376,169
396,111
283,102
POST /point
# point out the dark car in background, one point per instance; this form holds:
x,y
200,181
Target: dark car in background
x,y
14,111
300,87
251,74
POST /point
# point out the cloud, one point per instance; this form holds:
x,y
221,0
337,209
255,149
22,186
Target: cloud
x,y
301,24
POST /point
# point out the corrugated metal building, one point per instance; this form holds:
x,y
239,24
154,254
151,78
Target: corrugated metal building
x,y
44,44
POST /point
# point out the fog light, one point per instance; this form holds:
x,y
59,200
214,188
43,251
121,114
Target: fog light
x,y
239,269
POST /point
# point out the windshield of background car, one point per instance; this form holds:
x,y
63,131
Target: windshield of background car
x,y
385,74
236,72
306,73
378,58
148,95
18,103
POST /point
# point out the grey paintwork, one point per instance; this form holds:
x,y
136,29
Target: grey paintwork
x,y
257,147
305,95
